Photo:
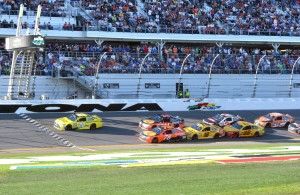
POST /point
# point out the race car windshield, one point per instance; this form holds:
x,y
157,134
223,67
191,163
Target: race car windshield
x,y
72,117
237,126
157,130
175,119
218,118
157,119
269,116
196,127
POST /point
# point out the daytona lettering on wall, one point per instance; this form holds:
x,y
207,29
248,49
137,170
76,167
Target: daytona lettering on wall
x,y
9,108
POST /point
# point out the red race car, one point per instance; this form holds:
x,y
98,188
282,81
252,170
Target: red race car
x,y
161,134
161,120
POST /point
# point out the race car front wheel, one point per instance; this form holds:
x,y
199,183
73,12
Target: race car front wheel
x,y
154,140
68,128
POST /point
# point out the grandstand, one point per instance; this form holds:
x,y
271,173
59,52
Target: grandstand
x,y
78,33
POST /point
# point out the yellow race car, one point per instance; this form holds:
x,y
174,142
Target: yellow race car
x,y
203,131
78,121
243,129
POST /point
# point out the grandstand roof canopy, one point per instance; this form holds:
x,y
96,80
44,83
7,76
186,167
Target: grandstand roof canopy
x,y
156,37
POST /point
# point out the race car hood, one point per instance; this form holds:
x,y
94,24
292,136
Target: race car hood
x,y
189,129
63,120
149,133
263,119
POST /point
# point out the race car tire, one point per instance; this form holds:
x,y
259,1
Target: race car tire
x,y
268,125
195,137
155,140
286,125
216,136
92,127
178,139
256,134
236,135
68,128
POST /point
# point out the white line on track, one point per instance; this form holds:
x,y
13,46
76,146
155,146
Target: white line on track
x,y
52,134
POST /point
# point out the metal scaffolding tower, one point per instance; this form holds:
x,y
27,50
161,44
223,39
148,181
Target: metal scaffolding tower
x,y
24,48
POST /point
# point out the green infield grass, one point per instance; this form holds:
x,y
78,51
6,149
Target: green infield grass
x,y
268,178
251,178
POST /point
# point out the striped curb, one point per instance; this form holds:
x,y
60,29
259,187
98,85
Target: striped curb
x,y
52,133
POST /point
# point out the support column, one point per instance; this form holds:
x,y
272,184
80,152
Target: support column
x,y
255,78
219,44
99,42
209,75
160,46
275,46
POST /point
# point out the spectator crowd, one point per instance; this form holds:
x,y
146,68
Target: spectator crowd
x,y
246,17
122,58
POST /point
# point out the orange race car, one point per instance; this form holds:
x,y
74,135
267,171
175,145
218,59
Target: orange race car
x,y
161,134
275,119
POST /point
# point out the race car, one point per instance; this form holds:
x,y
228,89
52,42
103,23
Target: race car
x,y
78,121
162,134
223,119
161,120
203,131
204,106
243,129
274,119
294,128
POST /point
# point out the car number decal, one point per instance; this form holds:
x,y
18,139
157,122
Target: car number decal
x,y
81,124
167,137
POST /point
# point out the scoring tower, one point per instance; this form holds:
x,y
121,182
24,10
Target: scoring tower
x,y
23,65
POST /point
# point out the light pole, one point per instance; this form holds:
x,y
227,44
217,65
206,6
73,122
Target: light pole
x,y
209,75
292,73
180,74
140,73
97,77
255,79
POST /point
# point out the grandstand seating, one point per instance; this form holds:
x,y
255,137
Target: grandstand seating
x,y
273,17
247,17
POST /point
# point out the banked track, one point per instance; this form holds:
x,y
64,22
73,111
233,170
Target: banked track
x,y
35,132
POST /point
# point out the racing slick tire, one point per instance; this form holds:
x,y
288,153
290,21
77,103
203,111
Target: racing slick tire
x,y
286,125
195,137
155,140
268,125
216,136
256,134
236,135
68,128
92,127
178,139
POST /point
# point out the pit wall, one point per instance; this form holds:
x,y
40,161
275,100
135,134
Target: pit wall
x,y
163,86
83,105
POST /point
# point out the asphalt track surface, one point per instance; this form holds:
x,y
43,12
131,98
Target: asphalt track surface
x,y
120,131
